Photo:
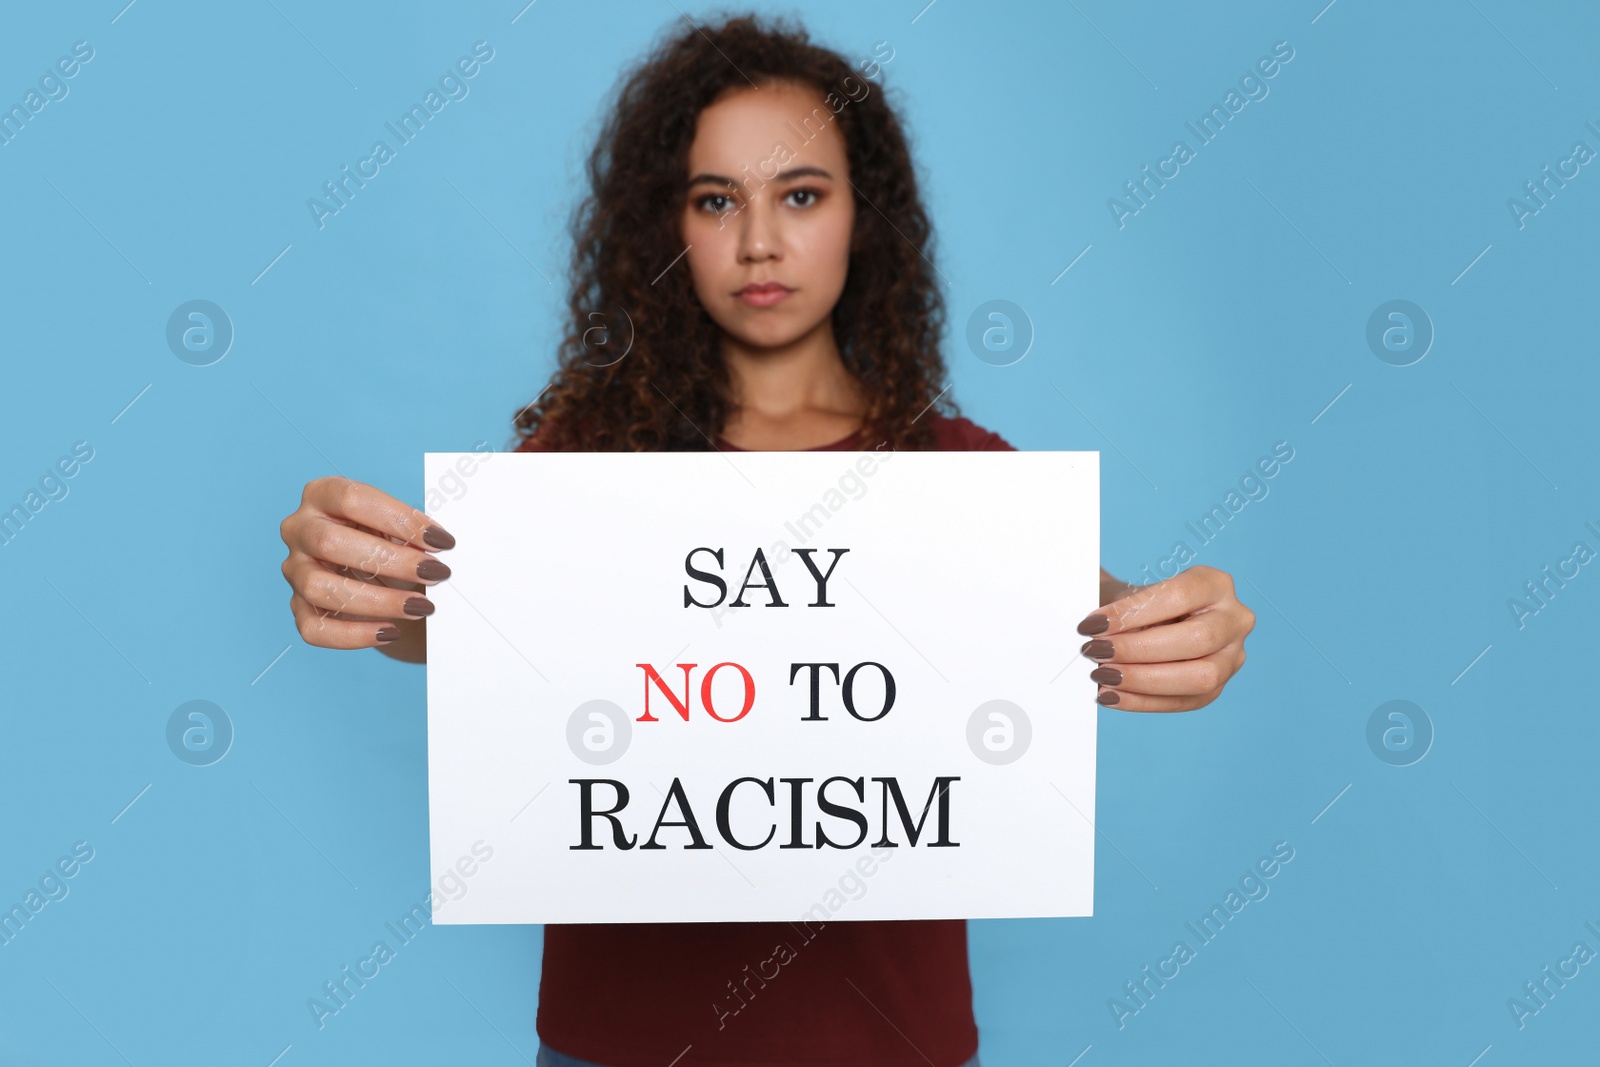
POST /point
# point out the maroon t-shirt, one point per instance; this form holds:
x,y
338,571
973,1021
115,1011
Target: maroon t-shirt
x,y
846,994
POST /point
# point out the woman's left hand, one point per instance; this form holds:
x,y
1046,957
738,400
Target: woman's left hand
x,y
1170,646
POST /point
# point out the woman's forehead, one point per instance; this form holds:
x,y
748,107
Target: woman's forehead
x,y
788,122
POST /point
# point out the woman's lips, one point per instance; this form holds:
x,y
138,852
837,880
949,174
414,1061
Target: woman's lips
x,y
764,296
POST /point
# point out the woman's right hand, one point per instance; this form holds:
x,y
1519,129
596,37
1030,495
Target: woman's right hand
x,y
346,541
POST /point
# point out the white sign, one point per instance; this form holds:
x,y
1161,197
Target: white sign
x,y
765,686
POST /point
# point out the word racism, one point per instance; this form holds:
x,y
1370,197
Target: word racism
x,y
1254,888
343,189
1581,154
1540,593
1140,193
889,787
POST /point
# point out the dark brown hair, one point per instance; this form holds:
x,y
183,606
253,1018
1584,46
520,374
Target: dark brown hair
x,y
669,392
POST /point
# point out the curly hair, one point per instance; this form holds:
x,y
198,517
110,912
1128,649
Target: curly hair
x,y
669,390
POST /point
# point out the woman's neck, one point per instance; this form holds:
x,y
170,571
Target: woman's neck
x,y
794,397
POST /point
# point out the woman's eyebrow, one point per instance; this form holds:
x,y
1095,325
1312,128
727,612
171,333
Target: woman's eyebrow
x,y
781,176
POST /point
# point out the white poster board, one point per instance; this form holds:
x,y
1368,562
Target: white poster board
x,y
957,577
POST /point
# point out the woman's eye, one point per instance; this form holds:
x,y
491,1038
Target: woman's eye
x,y
717,203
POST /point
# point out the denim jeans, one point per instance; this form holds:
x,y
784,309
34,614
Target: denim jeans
x,y
549,1057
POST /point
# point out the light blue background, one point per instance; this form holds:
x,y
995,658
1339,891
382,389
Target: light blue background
x,y
1227,315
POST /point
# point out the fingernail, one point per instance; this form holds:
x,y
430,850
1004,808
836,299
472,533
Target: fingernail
x,y
1107,697
419,606
1098,649
431,570
1094,624
438,538
1106,675
388,633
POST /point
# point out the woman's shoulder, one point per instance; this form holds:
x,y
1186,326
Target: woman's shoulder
x,y
958,433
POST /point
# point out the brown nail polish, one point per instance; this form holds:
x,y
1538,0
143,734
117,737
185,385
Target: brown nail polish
x,y
388,633
419,606
438,538
1108,698
1097,649
1094,624
1106,675
431,570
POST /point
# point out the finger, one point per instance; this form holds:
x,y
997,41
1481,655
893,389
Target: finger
x,y
1121,701
1195,588
323,588
351,501
1191,638
1183,678
367,555
332,630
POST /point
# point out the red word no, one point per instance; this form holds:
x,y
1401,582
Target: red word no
x,y
682,705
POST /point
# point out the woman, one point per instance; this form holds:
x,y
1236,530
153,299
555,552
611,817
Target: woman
x,y
750,273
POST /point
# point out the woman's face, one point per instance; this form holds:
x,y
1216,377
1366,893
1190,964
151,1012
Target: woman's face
x,y
766,205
